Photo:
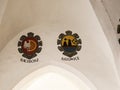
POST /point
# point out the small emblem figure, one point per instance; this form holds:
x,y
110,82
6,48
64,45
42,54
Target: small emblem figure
x,y
29,45
69,43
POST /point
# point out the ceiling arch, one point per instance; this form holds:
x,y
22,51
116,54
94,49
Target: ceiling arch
x,y
49,19
56,75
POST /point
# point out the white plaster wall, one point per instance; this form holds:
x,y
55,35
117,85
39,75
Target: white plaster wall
x,y
52,18
106,11
95,62
3,4
57,78
113,10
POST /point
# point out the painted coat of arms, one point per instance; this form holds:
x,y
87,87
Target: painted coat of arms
x,y
29,45
69,43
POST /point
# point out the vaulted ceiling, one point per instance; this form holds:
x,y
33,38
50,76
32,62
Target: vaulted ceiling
x,y
18,15
113,10
9,27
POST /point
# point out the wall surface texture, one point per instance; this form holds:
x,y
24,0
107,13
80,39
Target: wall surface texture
x,y
48,18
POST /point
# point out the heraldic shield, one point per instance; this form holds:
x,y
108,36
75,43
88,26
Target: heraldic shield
x,y
69,43
29,45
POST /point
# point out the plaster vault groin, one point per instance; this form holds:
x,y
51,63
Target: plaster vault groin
x,y
49,18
